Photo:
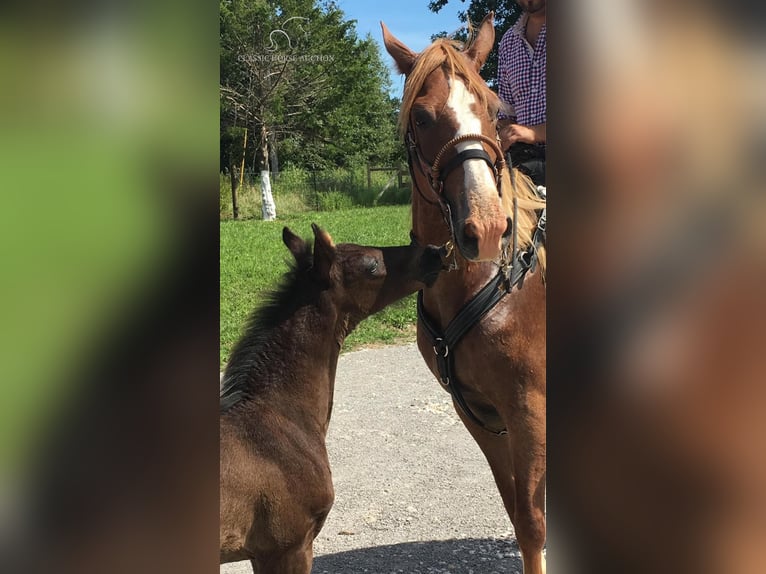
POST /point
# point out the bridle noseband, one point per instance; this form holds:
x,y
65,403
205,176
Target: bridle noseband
x,y
437,173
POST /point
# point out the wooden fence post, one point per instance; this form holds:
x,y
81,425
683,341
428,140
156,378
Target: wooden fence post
x,y
244,149
234,184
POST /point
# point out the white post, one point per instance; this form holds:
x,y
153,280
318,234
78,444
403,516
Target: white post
x,y
268,209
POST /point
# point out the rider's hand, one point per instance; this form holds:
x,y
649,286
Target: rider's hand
x,y
517,133
511,133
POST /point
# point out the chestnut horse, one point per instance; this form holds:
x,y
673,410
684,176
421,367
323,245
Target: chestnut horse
x,y
463,193
277,392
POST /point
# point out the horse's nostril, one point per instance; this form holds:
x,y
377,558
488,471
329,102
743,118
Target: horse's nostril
x,y
471,230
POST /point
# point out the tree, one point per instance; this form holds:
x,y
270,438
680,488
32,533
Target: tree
x,y
309,90
249,81
350,118
507,12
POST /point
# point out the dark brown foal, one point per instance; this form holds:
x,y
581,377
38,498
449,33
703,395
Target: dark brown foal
x,y
276,398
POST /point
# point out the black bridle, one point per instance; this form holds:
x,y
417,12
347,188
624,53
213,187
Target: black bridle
x,y
436,174
513,266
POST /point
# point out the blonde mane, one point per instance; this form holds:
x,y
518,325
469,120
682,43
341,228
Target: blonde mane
x,y
528,204
443,51
449,53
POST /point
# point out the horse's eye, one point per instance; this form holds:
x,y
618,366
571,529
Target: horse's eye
x,y
422,118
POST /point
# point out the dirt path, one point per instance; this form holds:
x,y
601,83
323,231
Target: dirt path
x,y
413,493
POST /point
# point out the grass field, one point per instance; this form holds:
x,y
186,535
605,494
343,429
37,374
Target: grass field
x,y
253,259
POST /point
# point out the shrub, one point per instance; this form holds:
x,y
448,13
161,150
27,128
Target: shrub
x,y
334,201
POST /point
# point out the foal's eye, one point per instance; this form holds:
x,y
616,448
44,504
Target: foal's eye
x,y
372,266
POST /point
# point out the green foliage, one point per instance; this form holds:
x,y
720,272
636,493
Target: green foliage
x,y
253,259
333,201
507,12
298,69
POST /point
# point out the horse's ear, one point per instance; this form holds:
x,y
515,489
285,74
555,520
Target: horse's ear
x,y
402,55
295,244
324,252
482,43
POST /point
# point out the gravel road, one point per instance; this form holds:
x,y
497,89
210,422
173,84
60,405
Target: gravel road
x,y
413,493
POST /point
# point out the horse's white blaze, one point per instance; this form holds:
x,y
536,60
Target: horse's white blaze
x,y
478,176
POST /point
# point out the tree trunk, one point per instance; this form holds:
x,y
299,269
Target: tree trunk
x,y
273,157
268,209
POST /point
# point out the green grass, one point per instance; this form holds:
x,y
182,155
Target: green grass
x,y
253,259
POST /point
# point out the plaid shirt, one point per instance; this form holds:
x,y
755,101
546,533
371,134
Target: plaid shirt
x,y
521,74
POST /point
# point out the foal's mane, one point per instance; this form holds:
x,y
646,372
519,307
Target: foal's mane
x,y
293,291
450,54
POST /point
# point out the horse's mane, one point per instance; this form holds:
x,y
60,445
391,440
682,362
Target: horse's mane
x,y
248,357
451,54
528,202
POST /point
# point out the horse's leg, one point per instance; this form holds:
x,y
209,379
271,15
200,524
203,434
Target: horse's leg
x,y
529,520
497,451
520,477
527,434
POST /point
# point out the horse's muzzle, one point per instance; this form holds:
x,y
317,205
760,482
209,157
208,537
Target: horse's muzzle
x,y
481,240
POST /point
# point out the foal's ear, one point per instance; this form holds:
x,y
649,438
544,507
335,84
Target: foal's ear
x,y
402,55
324,252
482,43
295,244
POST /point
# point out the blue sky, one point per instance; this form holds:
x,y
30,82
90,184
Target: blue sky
x,y
409,20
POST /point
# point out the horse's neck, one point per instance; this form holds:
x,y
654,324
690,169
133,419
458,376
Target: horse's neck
x,y
296,370
428,223
455,288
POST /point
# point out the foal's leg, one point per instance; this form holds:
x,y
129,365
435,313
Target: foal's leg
x,y
296,561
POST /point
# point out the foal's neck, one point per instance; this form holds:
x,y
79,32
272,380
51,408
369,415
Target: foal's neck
x,y
294,370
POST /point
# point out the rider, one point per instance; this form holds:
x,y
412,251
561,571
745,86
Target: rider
x,y
521,85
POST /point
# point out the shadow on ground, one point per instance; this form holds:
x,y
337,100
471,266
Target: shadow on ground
x,y
462,556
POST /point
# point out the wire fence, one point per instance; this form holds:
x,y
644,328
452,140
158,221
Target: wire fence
x,y
300,190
